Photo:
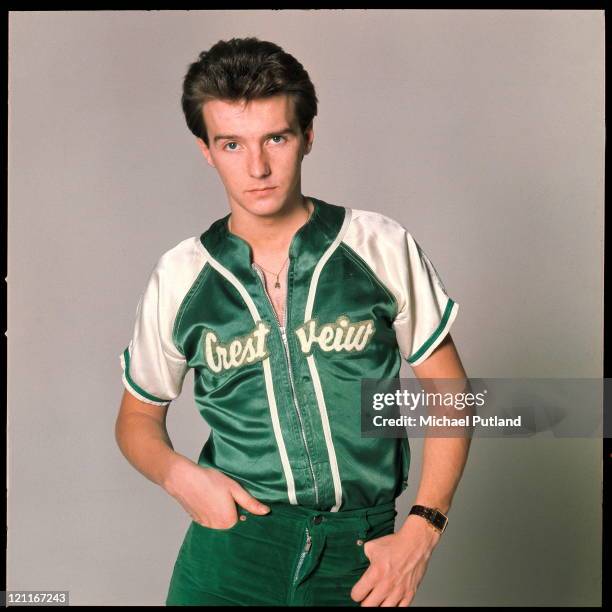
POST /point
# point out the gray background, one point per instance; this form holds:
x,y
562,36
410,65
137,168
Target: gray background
x,y
481,131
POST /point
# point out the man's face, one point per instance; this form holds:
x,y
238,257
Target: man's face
x,y
254,146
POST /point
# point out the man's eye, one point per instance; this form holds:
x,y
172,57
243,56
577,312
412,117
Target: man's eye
x,y
231,143
281,138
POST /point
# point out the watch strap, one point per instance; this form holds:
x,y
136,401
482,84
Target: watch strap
x,y
433,516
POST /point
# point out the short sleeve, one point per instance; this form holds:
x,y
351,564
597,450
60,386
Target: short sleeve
x,y
426,312
153,368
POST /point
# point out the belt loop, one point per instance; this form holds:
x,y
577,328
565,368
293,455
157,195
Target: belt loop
x,y
366,526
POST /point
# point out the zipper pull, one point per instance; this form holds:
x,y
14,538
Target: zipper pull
x,y
308,541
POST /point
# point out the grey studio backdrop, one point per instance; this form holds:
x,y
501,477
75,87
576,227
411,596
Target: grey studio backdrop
x,y
480,131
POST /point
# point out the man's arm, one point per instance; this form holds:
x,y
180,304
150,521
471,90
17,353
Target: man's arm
x,y
398,561
142,437
206,494
443,458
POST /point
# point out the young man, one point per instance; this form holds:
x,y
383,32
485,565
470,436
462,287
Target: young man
x,y
281,308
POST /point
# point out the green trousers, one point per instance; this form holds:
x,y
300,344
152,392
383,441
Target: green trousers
x,y
292,556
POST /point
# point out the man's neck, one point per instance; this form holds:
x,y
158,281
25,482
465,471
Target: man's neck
x,y
271,234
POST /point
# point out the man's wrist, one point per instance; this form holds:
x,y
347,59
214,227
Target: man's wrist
x,y
174,469
440,504
433,516
414,522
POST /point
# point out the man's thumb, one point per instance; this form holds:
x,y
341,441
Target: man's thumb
x,y
248,502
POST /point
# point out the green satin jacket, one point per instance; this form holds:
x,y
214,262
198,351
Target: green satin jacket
x,y
282,398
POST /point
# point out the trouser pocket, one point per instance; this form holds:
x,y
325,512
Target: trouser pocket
x,y
246,564
376,526
361,537
360,543
243,515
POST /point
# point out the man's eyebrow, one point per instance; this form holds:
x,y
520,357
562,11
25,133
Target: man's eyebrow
x,y
286,130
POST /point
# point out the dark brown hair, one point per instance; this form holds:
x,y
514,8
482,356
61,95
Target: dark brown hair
x,y
245,69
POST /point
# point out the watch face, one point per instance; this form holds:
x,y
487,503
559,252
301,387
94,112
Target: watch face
x,y
435,517
439,521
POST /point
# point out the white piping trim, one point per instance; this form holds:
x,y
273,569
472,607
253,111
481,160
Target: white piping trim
x,y
267,373
314,281
326,432
133,391
333,462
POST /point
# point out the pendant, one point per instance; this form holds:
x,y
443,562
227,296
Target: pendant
x,y
277,285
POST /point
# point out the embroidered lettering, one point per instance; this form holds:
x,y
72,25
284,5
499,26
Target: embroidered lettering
x,y
239,351
339,336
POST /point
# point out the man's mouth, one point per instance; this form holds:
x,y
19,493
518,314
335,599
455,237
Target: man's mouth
x,y
262,190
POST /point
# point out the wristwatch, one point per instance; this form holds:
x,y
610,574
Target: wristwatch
x,y
434,517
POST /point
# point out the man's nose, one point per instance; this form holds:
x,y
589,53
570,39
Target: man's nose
x,y
259,165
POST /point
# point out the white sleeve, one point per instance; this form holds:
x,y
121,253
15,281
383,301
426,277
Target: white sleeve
x,y
425,311
153,368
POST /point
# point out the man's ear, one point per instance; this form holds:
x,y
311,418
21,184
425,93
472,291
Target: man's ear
x,y
308,138
205,151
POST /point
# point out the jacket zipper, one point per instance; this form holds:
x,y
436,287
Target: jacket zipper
x,y
288,359
302,555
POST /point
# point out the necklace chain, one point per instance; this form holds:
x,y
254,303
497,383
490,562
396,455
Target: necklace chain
x,y
277,283
275,273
